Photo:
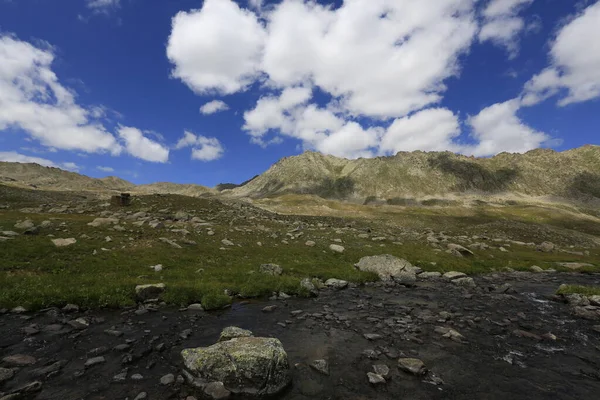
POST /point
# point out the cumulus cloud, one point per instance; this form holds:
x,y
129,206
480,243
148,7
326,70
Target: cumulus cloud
x,y
431,130
12,156
502,23
213,107
216,48
574,63
141,147
498,128
203,148
105,169
33,100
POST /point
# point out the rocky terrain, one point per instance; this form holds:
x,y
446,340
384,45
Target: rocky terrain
x,y
296,296
573,174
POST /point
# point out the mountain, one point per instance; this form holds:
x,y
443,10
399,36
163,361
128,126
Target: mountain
x,y
569,174
49,178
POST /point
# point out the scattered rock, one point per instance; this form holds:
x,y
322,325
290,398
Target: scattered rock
x,y
429,275
337,248
308,285
170,242
168,379
19,360
336,283
271,269
24,225
389,268
382,370
70,308
216,391
466,282
535,268
98,222
90,362
64,242
149,291
310,243
459,250
454,274
227,242
375,379
6,374
195,307
546,247
320,366
269,308
412,365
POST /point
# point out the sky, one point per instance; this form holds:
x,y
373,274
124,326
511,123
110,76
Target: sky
x,y
216,91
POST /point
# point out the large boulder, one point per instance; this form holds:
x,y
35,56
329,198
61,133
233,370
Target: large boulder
x,y
389,268
251,366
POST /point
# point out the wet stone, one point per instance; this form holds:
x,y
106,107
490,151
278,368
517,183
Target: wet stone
x,y
320,366
168,379
19,360
412,365
375,379
216,391
90,362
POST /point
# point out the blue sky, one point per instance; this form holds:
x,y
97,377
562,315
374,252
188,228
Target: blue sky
x,y
217,91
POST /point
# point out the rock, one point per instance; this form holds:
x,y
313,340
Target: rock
x,y
337,248
232,332
525,334
103,222
24,225
64,242
389,268
168,379
113,332
320,366
141,396
546,247
34,230
149,291
576,299
227,242
429,275
269,308
216,391
412,365
382,369
372,336
466,282
195,307
24,392
245,365
574,265
450,334
308,285
170,242
459,250
336,283
18,310
137,377
186,333
535,268
90,362
310,243
375,379
454,274
157,267
588,312
6,374
271,269
70,308
181,216
594,300
19,360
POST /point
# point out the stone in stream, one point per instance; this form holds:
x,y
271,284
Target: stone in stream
x,y
336,283
271,269
465,282
375,379
232,332
216,391
269,308
19,360
168,379
389,268
6,374
150,291
308,285
412,365
382,370
245,365
69,308
321,366
454,275
90,362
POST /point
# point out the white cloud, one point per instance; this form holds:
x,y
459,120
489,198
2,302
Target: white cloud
x,y
431,129
33,100
12,156
103,6
141,147
216,48
203,148
502,23
497,128
105,169
213,107
575,63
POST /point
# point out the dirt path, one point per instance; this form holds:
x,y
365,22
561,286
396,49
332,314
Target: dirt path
x,y
497,359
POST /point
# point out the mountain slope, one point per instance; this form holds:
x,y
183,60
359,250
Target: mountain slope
x,y
572,174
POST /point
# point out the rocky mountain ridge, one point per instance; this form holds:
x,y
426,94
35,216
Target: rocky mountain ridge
x,y
570,174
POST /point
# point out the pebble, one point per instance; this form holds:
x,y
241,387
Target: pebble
x,y
168,379
90,362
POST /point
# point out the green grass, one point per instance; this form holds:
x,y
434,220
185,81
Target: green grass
x,y
36,274
576,289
